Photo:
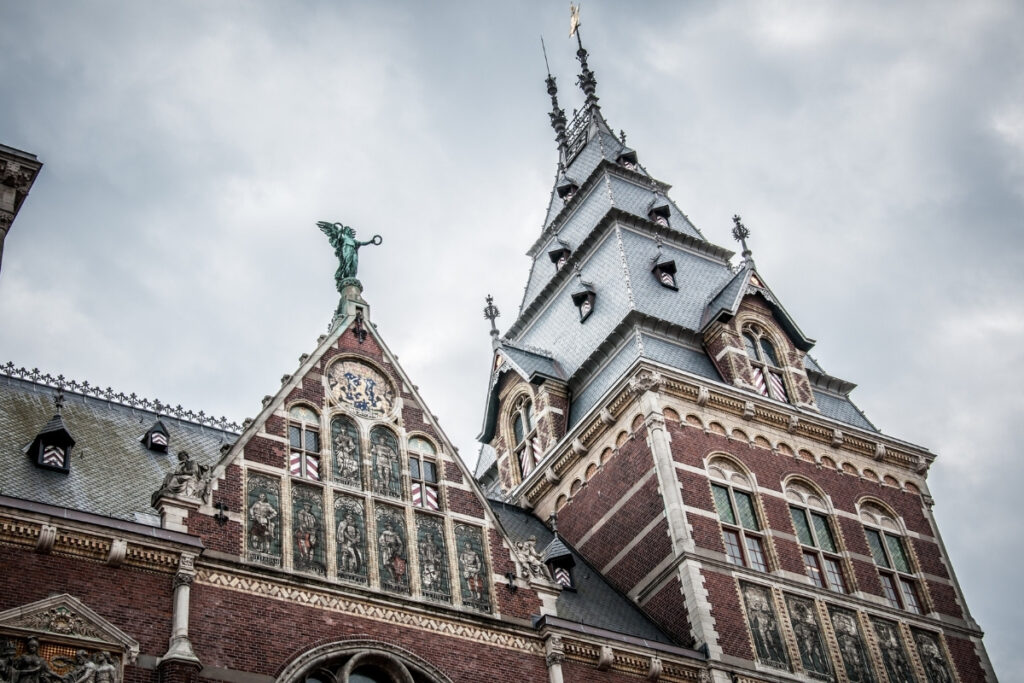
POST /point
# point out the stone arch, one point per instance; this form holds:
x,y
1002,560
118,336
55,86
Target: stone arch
x,y
670,415
828,462
637,423
785,448
575,488
338,660
876,513
728,469
739,435
591,471
870,475
912,488
562,500
606,454
807,456
694,420
803,491
850,469
621,438
762,442
890,480
716,427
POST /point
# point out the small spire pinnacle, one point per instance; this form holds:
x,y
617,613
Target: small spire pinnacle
x,y
586,80
622,136
557,114
491,312
740,233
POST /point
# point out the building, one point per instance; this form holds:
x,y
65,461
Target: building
x,y
670,489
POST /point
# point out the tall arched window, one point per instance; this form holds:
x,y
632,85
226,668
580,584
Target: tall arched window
x,y
889,551
816,536
764,363
423,479
734,503
524,432
304,439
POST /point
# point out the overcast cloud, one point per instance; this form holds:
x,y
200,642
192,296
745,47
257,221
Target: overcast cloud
x,y
874,149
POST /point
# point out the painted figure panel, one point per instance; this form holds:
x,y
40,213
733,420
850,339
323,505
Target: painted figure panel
x,y
856,661
804,619
308,530
387,463
894,656
362,387
934,661
473,571
764,626
392,549
433,558
263,520
350,523
348,460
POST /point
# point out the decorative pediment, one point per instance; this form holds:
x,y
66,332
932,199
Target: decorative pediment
x,y
65,619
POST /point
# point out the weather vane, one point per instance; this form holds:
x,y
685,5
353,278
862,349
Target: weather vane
x,y
346,248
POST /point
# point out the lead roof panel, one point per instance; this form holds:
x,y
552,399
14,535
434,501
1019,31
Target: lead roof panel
x,y
841,408
587,398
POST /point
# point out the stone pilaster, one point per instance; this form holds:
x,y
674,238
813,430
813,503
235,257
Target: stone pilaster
x,y
179,653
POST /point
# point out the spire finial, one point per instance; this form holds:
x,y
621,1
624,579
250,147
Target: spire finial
x,y
557,114
740,233
586,80
491,312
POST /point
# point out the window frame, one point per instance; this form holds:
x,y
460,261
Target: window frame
x,y
738,551
305,429
820,555
418,459
901,588
754,337
522,409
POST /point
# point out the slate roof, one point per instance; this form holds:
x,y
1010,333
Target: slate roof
x,y
112,474
594,602
532,362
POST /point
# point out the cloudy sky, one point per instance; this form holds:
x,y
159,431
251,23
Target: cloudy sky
x,y
874,149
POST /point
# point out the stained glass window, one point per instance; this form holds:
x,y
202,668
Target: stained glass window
x,y
736,511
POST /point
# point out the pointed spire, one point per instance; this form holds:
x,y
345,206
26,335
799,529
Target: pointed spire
x,y
586,80
740,233
557,114
491,312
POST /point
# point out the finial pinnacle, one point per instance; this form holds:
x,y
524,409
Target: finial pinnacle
x,y
740,233
491,313
586,80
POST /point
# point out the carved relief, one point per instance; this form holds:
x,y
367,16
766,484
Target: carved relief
x,y
392,549
29,661
189,479
348,461
308,530
433,558
263,520
930,650
473,571
533,561
362,387
809,641
764,626
897,665
387,464
350,524
856,661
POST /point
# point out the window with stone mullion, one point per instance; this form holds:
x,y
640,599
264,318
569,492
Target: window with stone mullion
x,y
894,570
304,442
524,429
744,545
764,364
819,550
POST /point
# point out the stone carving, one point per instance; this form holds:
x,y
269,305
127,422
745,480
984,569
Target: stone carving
x,y
856,661
346,248
764,626
387,466
930,651
189,479
433,558
7,652
106,672
473,572
60,620
897,666
263,504
392,549
308,530
31,667
362,387
645,380
533,561
82,669
348,461
350,521
554,651
809,642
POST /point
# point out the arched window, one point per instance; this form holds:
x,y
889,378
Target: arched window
x,y
524,431
816,536
423,480
304,439
764,363
734,503
889,551
360,661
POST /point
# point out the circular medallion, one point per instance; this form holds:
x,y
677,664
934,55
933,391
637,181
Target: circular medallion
x,y
362,387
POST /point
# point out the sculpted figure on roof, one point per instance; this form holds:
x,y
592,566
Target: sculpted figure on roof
x,y
190,479
346,248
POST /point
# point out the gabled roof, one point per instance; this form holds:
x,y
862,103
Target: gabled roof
x,y
532,364
726,302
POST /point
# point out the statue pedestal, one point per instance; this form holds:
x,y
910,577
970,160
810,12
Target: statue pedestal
x,y
352,301
174,511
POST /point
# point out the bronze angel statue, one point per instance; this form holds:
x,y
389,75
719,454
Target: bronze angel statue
x,y
346,248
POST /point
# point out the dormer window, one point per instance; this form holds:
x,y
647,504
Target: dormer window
x,y
51,449
559,256
304,439
628,160
567,189
659,215
764,363
584,302
157,438
560,563
665,273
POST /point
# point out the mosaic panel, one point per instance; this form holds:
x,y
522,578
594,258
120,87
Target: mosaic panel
x,y
348,460
936,669
263,520
474,575
308,530
764,626
809,641
856,661
392,549
362,387
894,656
387,464
350,522
433,558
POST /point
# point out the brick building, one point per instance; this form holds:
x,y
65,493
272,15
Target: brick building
x,y
670,489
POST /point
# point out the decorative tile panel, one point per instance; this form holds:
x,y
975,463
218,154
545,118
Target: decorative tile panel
x,y
764,626
474,573
392,549
350,523
346,451
433,558
263,520
856,661
308,530
810,643
894,656
361,387
929,649
387,463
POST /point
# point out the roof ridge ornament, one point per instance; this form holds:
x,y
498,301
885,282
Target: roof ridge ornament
x,y
740,233
491,313
586,80
557,114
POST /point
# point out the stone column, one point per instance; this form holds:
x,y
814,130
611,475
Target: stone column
x,y
180,662
555,655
